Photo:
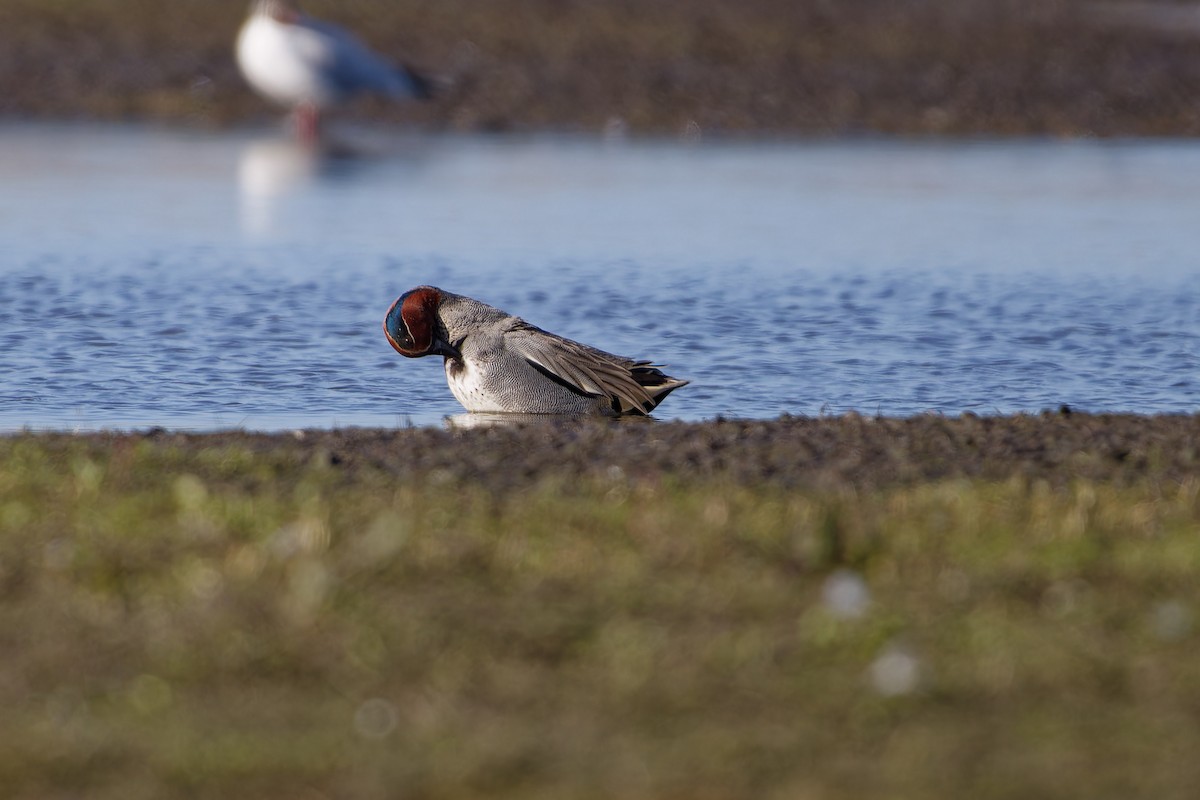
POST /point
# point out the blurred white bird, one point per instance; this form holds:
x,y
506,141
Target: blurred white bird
x,y
309,66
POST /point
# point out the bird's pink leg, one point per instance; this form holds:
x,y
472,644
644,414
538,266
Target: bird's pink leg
x,y
306,121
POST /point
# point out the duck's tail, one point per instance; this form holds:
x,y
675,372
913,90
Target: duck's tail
x,y
656,383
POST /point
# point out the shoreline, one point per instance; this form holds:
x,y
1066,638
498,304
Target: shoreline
x,y
1082,68
847,450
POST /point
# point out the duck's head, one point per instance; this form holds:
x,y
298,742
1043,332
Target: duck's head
x,y
413,327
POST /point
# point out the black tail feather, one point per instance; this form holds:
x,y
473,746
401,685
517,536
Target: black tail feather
x,y
422,85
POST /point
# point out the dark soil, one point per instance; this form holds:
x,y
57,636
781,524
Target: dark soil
x,y
688,67
824,453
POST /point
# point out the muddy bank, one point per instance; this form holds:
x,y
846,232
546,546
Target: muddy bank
x,y
827,453
676,67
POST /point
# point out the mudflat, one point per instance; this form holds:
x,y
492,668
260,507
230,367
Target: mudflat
x,y
852,451
677,67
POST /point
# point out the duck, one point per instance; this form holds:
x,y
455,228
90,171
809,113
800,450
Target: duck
x,y
309,66
496,362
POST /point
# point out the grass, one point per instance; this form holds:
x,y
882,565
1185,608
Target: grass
x,y
201,617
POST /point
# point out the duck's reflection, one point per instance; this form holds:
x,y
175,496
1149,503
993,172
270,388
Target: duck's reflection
x,y
479,419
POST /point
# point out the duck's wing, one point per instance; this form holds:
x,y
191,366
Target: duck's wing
x,y
586,370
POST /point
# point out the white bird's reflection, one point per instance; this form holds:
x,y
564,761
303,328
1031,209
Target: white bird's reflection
x,y
269,171
270,167
273,172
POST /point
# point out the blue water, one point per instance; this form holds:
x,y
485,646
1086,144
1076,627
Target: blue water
x,y
212,280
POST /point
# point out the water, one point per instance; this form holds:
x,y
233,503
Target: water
x,y
201,280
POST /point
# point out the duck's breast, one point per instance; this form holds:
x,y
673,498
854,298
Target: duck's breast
x,y
510,384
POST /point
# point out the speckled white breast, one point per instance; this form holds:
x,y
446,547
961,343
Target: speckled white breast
x,y
468,385
510,385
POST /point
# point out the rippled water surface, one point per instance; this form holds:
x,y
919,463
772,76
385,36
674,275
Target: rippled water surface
x,y
153,277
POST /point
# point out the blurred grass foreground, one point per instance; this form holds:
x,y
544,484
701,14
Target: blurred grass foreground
x,y
826,67
840,608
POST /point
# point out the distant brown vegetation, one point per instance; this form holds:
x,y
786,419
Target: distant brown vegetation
x,y
1065,67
